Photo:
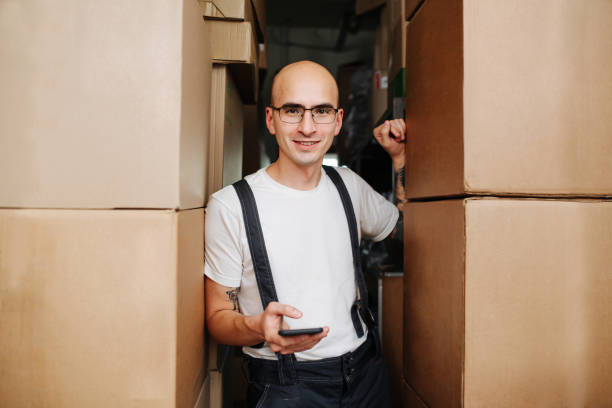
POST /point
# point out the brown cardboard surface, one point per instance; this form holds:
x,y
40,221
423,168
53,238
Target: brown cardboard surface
x,y
228,9
191,366
409,398
105,104
434,104
226,130
392,332
101,308
410,7
433,301
403,10
510,98
239,10
233,43
536,283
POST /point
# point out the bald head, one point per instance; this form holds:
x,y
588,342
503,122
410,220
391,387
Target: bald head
x,y
300,78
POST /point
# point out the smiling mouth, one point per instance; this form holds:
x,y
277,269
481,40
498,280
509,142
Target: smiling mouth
x,y
305,143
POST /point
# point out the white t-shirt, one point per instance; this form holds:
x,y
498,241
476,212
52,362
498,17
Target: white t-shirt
x,y
308,244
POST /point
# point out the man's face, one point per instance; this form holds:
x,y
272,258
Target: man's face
x,y
305,143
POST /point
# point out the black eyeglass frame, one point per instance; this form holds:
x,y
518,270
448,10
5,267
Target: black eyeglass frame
x,y
306,109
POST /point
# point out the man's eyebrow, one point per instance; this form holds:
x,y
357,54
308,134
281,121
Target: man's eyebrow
x,y
298,105
291,105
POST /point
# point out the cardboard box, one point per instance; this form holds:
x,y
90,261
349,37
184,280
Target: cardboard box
x,y
379,96
253,11
509,98
392,330
363,6
507,302
105,104
101,308
411,7
233,43
410,399
226,130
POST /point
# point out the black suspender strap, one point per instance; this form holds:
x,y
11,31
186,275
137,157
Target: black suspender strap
x,y
261,266
361,303
257,245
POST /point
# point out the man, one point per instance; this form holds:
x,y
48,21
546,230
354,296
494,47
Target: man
x,y
309,249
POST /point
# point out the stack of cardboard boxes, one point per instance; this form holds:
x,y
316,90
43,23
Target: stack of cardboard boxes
x,y
103,163
388,97
106,168
507,286
237,36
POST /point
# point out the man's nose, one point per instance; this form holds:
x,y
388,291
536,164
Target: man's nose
x,y
307,125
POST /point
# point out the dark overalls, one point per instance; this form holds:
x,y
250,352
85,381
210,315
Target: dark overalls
x,y
354,379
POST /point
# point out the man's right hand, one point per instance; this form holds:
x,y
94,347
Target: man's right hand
x,y
227,325
271,321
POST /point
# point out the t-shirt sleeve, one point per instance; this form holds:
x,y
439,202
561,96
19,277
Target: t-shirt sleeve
x,y
377,215
223,251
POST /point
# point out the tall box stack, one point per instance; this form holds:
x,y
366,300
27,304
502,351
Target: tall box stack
x,y
226,130
237,27
237,44
103,157
507,287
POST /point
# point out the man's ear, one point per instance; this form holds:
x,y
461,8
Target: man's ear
x,y
270,120
338,125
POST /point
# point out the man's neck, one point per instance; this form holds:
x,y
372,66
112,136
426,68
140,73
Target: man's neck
x,y
296,177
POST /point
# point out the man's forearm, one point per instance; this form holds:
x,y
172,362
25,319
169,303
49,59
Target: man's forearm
x,y
224,321
394,241
233,328
399,193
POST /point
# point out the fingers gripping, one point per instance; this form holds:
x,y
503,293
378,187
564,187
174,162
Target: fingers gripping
x,y
273,321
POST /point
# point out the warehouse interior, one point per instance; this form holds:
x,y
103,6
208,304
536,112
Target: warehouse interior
x,y
119,120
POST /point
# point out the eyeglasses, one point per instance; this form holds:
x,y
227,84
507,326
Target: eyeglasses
x,y
291,113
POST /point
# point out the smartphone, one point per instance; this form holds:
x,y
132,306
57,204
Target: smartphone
x,y
297,332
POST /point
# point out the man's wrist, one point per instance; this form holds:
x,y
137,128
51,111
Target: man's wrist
x,y
253,325
399,162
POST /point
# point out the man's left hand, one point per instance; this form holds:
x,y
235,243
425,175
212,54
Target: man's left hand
x,y
391,135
